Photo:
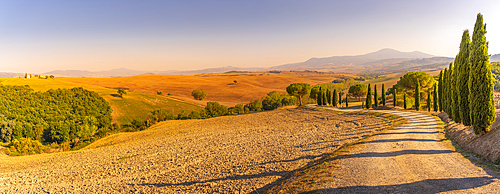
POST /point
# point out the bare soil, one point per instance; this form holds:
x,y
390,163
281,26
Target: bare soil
x,y
231,154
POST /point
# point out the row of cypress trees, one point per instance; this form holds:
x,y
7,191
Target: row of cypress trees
x,y
327,97
375,103
466,88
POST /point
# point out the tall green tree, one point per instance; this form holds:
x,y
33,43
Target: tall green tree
x,y
299,90
375,96
445,90
320,98
329,96
463,69
383,94
440,91
404,100
417,96
335,97
429,101
325,99
347,100
340,98
395,96
454,105
369,97
358,90
435,98
482,107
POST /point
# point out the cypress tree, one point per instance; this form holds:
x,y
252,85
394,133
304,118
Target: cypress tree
x,y
395,95
440,91
404,100
435,98
463,67
325,99
335,97
383,94
375,96
429,100
362,105
320,97
445,91
454,100
417,96
340,98
369,97
482,107
347,100
328,96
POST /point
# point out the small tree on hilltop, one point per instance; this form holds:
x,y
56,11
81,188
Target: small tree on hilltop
x,y
121,92
369,97
199,94
298,90
383,94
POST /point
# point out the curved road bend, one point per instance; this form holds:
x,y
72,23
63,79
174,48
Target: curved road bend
x,y
409,159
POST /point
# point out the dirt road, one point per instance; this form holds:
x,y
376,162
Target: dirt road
x,y
409,159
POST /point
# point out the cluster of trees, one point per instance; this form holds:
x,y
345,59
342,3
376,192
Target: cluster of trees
x,y
60,115
324,96
272,101
199,94
466,89
414,87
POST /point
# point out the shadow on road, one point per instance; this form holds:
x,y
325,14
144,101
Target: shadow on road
x,y
398,140
397,153
424,186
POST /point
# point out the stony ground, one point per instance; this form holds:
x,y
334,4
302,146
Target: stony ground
x,y
232,154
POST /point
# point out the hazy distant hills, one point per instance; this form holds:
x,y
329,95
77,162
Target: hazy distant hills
x,y
379,62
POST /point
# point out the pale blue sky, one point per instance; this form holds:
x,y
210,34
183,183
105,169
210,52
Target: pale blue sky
x,y
40,36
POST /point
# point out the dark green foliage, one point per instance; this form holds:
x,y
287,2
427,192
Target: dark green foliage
x,y
440,91
159,92
52,116
383,95
445,90
404,100
395,96
328,96
319,98
358,90
375,96
214,109
429,101
254,106
463,70
369,97
199,94
315,91
454,100
325,103
435,98
417,96
347,100
335,98
480,81
298,90
340,98
362,105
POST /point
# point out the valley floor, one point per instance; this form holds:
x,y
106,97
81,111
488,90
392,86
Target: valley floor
x,y
231,154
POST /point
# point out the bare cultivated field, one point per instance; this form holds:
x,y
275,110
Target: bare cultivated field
x,y
220,88
230,154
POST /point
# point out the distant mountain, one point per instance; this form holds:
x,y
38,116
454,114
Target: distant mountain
x,y
341,63
495,58
214,70
7,74
111,73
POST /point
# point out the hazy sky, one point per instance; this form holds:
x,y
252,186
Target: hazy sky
x,y
40,36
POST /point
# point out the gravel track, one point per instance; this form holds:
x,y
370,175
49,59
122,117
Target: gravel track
x,y
409,159
232,154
